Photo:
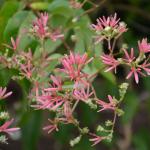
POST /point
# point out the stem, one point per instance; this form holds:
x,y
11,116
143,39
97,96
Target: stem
x,y
67,46
95,74
114,121
75,105
140,58
95,5
43,48
84,2
114,43
92,9
109,46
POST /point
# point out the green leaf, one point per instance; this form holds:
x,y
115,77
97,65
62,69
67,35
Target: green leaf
x,y
14,23
31,129
55,61
60,7
50,47
58,20
89,69
8,9
83,34
39,5
5,76
26,40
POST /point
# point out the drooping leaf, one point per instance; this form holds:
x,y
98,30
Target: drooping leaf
x,y
14,24
8,9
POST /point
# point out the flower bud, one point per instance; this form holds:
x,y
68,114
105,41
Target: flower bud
x,y
85,130
3,139
122,90
125,46
109,137
120,112
75,141
91,104
108,29
122,24
73,38
4,116
108,123
100,128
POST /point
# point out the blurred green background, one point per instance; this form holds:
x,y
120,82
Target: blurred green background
x,y
132,131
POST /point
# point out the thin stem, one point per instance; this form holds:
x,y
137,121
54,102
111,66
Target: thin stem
x,y
109,46
95,5
114,121
75,105
43,48
84,2
92,9
66,46
95,74
114,43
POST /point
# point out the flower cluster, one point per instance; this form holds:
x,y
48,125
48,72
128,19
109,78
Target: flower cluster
x,y
3,93
59,97
108,28
5,127
73,64
66,90
138,65
28,66
4,116
69,84
41,30
21,60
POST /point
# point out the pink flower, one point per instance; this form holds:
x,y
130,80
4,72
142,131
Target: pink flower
x,y
40,25
96,139
109,61
107,106
48,101
56,85
135,68
112,22
56,34
134,71
121,28
3,93
144,47
27,55
4,127
15,43
82,93
27,69
146,67
44,18
129,57
105,22
52,126
73,65
41,29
